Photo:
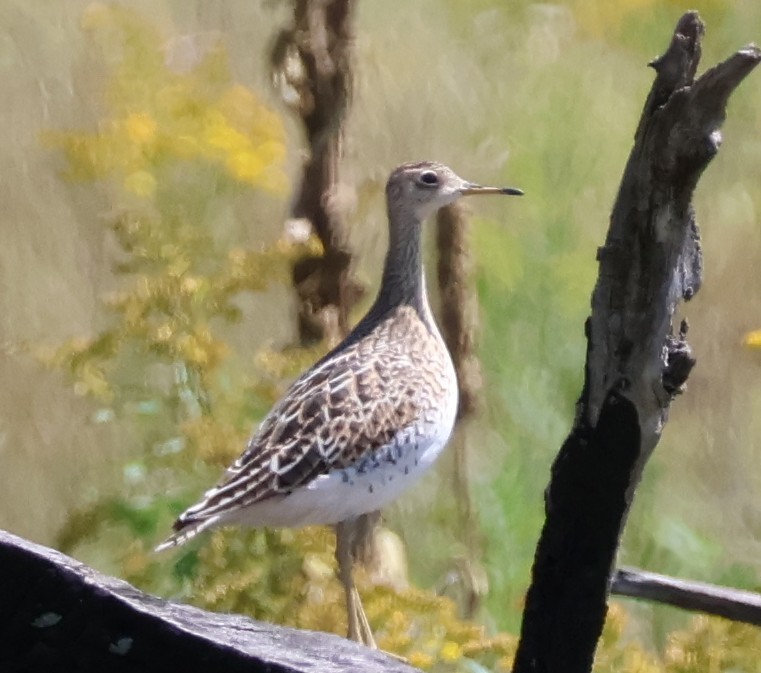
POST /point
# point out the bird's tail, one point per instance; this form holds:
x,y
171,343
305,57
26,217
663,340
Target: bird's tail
x,y
186,529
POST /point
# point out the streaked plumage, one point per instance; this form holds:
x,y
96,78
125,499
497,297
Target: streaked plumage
x,y
347,437
371,417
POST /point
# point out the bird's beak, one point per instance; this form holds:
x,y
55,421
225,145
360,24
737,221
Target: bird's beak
x,y
471,188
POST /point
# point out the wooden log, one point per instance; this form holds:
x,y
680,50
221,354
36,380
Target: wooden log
x,y
56,614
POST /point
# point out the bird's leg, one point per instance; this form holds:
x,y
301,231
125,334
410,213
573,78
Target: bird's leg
x,y
364,625
359,627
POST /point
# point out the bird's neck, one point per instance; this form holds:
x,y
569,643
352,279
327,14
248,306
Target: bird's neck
x,y
403,282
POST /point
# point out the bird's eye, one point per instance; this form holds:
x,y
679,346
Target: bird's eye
x,y
429,178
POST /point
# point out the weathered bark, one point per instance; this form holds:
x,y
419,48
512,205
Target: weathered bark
x,y
458,317
635,365
734,604
58,615
311,62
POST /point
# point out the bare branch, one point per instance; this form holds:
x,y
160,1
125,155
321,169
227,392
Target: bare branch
x,y
740,606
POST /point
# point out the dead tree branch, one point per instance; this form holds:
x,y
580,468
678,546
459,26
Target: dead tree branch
x,y
651,260
311,64
734,604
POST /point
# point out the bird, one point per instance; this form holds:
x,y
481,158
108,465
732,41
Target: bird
x,y
365,422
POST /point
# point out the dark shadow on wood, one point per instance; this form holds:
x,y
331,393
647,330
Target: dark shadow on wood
x,y
636,364
57,614
734,604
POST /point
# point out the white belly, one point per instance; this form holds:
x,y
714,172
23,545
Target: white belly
x,y
365,487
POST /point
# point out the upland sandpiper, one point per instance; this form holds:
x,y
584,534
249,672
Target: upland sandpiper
x,y
364,423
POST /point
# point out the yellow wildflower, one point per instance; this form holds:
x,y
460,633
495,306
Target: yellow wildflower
x,y
245,166
141,128
450,652
220,135
141,183
753,339
420,660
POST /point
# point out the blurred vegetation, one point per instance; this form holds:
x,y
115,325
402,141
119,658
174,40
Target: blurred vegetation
x,y
173,143
177,178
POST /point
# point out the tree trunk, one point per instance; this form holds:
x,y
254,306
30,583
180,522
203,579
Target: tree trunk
x,y
635,365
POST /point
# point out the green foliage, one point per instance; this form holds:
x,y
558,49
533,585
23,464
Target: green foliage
x,y
173,149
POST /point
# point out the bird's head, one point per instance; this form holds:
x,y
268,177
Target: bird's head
x,y
426,186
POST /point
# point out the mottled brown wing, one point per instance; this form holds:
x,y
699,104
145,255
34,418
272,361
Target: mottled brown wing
x,y
342,410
